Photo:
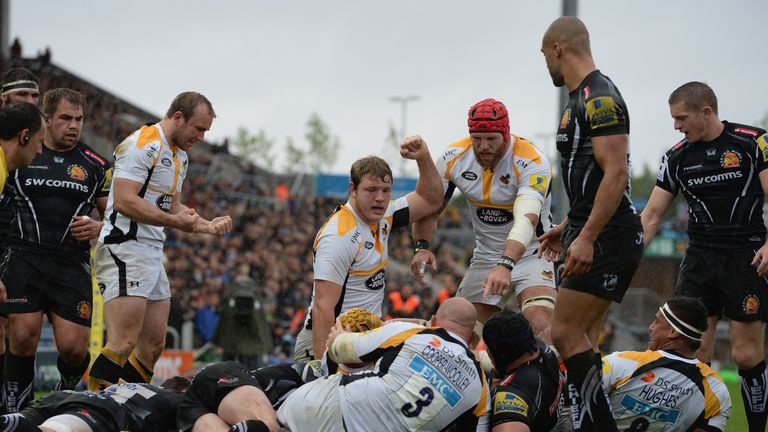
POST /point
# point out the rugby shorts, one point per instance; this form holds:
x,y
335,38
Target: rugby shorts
x,y
530,271
209,387
131,269
617,254
726,282
44,282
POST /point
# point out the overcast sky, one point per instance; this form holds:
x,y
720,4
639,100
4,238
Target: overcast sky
x,y
270,64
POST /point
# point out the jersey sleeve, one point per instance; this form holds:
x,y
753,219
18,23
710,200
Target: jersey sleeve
x,y
106,184
606,113
535,179
398,210
762,156
717,404
133,162
443,169
511,404
664,177
334,256
371,345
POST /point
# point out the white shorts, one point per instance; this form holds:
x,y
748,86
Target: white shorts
x,y
131,269
313,407
67,423
530,271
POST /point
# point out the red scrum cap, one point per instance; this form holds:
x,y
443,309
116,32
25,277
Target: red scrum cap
x,y
489,115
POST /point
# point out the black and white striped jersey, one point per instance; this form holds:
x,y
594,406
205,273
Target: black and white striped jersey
x,y
720,181
56,187
595,108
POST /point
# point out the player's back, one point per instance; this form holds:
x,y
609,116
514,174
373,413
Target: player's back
x,y
426,380
663,391
148,408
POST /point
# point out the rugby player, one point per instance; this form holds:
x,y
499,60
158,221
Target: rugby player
x,y
351,249
602,236
426,378
527,395
665,388
121,407
17,85
49,251
150,166
505,180
721,168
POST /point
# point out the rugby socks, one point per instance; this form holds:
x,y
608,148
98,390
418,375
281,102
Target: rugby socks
x,y
594,411
106,369
71,375
19,376
754,390
135,372
16,423
249,426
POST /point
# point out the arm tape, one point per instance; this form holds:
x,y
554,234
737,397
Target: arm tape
x,y
522,230
342,350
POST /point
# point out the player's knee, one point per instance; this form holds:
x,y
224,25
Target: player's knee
x,y
73,354
122,346
747,356
23,340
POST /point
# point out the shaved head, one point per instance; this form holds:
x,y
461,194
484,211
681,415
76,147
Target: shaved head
x,y
570,32
458,315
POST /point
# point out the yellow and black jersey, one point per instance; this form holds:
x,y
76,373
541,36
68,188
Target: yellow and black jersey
x,y
354,255
491,193
425,379
663,391
145,157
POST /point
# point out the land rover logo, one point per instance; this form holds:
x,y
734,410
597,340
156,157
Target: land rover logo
x,y
376,282
164,202
494,216
469,175
166,162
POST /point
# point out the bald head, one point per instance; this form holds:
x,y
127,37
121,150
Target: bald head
x,y
570,32
457,315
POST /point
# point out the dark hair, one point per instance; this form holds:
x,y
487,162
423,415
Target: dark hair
x,y
508,336
186,102
176,383
16,117
695,95
692,312
19,74
53,98
370,166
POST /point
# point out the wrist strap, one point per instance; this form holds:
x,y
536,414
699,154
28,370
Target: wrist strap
x,y
507,262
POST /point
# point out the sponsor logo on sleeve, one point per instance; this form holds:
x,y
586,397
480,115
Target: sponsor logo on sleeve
x,y
730,159
762,142
166,162
164,202
539,184
505,402
377,281
746,131
601,112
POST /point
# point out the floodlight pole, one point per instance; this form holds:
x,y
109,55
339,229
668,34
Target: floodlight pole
x,y
403,101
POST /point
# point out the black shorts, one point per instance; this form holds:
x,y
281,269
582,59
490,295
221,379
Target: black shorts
x,y
617,255
46,283
102,414
726,282
209,387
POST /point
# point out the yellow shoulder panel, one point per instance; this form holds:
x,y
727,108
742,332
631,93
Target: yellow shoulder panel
x,y
147,135
524,149
347,220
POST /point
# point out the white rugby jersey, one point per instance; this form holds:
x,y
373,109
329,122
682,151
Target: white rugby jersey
x,y
491,193
148,158
353,254
426,378
663,391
